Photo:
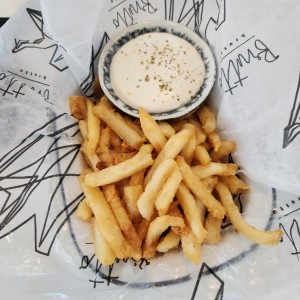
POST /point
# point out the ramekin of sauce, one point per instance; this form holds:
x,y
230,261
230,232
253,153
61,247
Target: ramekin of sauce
x,y
160,65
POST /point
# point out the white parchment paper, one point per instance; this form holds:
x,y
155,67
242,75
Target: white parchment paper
x,y
48,51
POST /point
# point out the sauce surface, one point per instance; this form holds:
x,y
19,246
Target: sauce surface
x,y
158,71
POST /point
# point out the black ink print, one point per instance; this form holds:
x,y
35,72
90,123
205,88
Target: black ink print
x,y
42,41
231,75
287,208
105,273
293,236
194,13
88,82
126,15
25,179
3,21
15,87
293,128
205,269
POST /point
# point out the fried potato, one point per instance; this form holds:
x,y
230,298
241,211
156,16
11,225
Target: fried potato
x,y
77,105
198,189
235,184
189,149
191,248
146,201
103,251
166,129
83,211
214,140
226,148
202,155
118,172
200,135
151,130
167,192
170,150
112,197
131,196
169,242
214,169
207,119
188,204
261,237
93,124
106,220
156,228
212,226
104,111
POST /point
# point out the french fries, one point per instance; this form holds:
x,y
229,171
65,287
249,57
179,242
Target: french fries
x,y
261,237
139,201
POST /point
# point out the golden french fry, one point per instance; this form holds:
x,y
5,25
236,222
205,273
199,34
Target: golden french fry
x,y
170,150
213,227
104,141
143,226
151,130
104,111
175,212
261,237
103,251
189,149
210,182
118,172
167,192
191,248
207,119
131,196
93,124
200,135
201,208
188,204
198,189
93,160
106,220
226,148
202,155
166,129
146,201
83,129
169,242
214,140
156,228
214,168
77,105
112,197
83,211
235,184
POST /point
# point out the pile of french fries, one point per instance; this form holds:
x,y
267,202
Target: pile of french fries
x,y
152,186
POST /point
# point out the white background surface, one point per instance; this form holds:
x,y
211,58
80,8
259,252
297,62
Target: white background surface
x,y
8,7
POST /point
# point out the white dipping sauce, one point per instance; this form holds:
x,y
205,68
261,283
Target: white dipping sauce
x,y
158,71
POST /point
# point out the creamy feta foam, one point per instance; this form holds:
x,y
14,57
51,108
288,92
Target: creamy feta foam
x,y
158,71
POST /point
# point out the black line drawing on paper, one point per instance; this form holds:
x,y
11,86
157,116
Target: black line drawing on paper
x,y
42,41
210,272
194,13
287,208
87,83
24,179
232,64
127,14
293,128
293,235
